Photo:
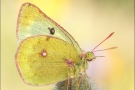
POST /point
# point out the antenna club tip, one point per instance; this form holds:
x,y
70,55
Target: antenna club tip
x,y
110,34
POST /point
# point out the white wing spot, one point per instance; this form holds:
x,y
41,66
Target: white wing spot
x,y
44,53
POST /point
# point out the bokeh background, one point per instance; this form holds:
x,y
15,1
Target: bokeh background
x,y
89,22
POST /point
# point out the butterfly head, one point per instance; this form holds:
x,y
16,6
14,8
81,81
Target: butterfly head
x,y
90,56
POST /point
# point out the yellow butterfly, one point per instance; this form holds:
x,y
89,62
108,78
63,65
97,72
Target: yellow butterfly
x,y
47,53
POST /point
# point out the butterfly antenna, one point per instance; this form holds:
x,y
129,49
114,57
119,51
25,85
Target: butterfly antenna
x,y
106,49
100,56
103,40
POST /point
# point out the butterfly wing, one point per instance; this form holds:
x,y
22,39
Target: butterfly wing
x,y
41,59
32,21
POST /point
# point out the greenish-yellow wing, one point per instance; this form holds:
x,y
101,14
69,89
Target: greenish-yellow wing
x,y
41,59
32,21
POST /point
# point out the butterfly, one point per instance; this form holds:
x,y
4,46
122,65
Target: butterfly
x,y
47,53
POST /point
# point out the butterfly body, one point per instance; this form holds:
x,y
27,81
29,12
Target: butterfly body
x,y
46,53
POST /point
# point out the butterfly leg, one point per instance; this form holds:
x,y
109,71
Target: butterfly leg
x,y
68,81
81,78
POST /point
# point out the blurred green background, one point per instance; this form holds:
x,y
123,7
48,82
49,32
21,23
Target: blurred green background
x,y
89,22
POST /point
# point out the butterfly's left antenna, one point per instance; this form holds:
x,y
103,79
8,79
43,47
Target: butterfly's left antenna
x,y
106,49
103,41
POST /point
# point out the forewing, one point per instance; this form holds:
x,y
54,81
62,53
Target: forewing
x,y
41,60
32,21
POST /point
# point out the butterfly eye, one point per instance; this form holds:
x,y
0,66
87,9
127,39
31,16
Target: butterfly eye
x,y
52,30
89,54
